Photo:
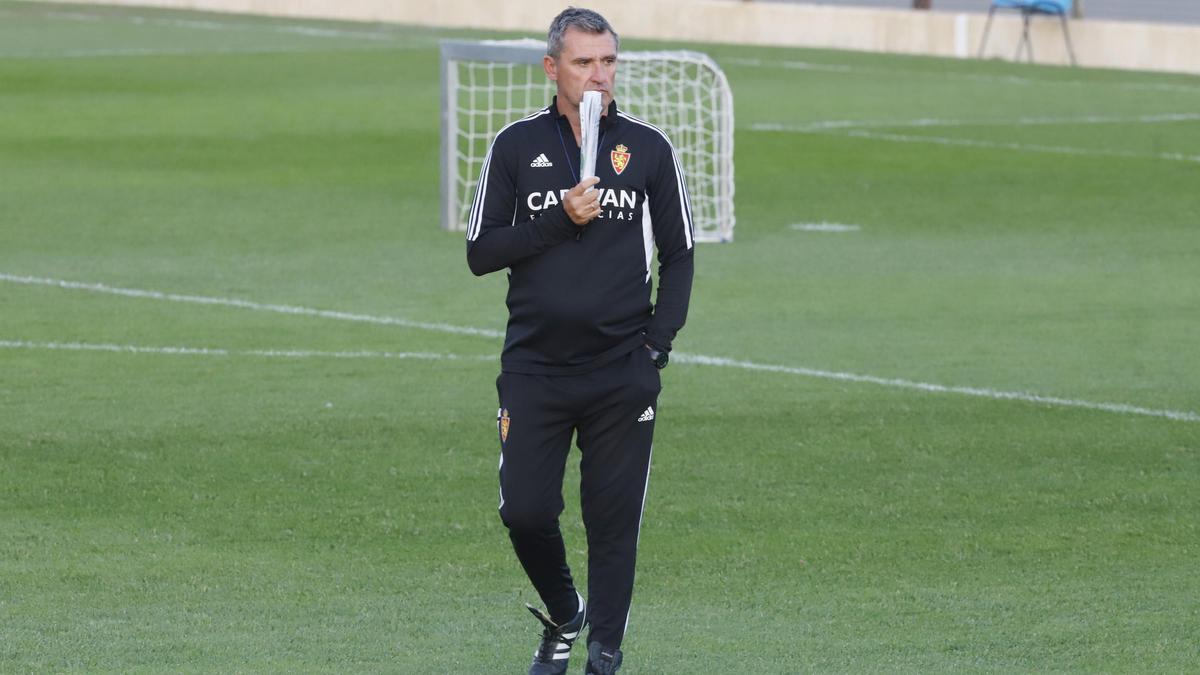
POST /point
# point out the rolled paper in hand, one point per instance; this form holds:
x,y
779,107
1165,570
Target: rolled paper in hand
x,y
589,126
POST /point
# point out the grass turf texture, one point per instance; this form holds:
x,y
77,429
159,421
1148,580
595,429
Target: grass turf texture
x,y
230,513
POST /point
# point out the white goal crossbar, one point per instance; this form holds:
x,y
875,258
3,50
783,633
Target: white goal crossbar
x,y
487,84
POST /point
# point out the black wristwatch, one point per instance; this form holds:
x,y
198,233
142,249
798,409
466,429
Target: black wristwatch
x,y
660,359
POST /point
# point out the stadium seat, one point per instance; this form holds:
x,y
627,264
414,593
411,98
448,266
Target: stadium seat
x,y
1028,8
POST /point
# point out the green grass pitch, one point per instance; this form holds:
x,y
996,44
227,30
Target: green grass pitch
x,y
1019,229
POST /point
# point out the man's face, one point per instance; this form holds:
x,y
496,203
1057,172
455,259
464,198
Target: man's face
x,y
588,62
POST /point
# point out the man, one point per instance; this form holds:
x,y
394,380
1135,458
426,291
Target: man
x,y
584,344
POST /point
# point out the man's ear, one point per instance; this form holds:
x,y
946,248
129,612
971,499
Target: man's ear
x,y
551,68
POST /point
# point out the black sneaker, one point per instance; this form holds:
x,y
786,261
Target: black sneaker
x,y
602,660
554,651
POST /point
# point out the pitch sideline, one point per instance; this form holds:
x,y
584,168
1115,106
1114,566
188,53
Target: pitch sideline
x,y
216,51
217,351
1024,121
247,304
862,132
267,26
958,75
680,357
1024,147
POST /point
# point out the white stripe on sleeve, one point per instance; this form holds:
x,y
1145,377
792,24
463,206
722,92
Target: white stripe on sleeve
x,y
685,208
475,221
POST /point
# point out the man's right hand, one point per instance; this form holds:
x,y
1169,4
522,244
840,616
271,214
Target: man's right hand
x,y
582,206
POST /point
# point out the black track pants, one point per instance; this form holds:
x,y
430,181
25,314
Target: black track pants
x,y
612,410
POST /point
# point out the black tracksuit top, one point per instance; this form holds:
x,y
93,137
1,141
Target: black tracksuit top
x,y
579,298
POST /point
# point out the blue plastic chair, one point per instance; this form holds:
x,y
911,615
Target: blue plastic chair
x,y
1028,8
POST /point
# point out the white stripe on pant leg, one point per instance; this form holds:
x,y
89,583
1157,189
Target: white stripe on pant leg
x,y
645,490
582,608
501,468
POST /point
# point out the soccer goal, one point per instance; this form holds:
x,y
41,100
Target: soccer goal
x,y
487,84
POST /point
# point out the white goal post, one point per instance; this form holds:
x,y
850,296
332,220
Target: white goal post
x,y
487,84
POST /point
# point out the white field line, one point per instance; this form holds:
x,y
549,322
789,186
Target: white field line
x,y
227,26
699,359
1183,416
247,304
215,351
1023,147
944,75
136,51
975,143
799,65
833,125
825,227
861,129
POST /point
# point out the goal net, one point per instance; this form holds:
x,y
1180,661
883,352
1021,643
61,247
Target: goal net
x,y
487,84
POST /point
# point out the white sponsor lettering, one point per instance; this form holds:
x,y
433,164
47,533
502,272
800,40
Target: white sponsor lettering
x,y
622,199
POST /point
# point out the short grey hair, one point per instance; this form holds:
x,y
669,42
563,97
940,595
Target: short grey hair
x,y
580,19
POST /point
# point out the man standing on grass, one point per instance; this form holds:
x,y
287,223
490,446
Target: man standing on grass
x,y
584,344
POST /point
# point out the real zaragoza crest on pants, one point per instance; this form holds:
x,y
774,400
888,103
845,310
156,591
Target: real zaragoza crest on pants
x,y
502,422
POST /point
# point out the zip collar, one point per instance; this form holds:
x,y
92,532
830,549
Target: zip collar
x,y
606,120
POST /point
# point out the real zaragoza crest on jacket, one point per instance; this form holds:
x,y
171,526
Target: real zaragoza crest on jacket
x,y
620,158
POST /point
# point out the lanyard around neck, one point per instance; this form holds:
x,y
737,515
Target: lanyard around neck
x,y
563,143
